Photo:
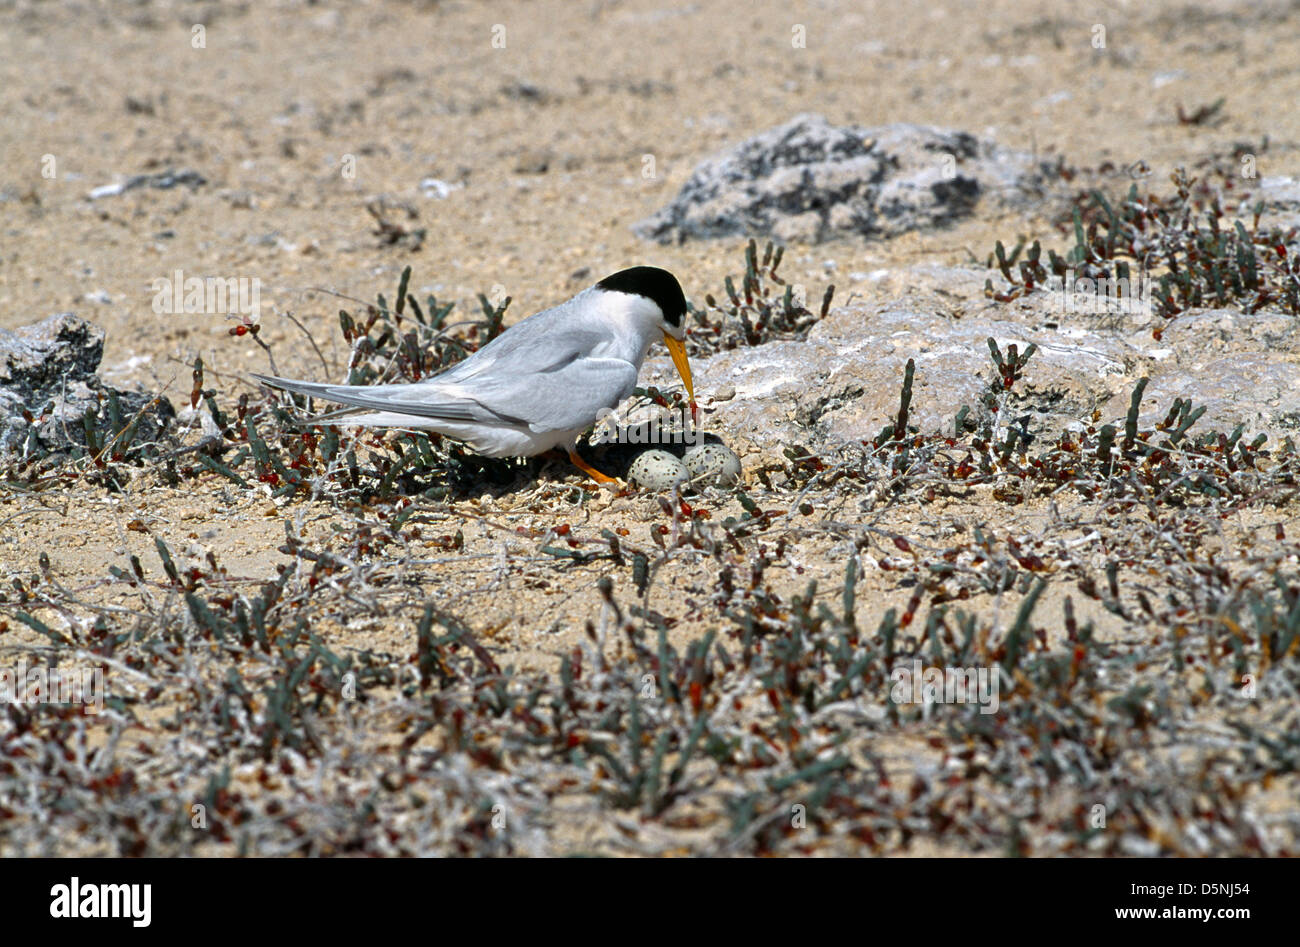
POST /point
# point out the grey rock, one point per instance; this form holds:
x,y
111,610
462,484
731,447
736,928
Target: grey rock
x,y
842,384
36,359
161,180
48,373
810,180
1281,198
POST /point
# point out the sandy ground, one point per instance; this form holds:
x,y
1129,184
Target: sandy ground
x,y
298,115
282,93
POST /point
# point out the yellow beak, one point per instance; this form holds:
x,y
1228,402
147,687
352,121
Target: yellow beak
x,y
678,351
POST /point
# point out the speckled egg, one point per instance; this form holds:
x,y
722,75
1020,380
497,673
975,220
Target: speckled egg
x,y
658,470
712,464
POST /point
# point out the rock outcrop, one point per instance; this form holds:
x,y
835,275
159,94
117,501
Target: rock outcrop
x,y
810,180
48,383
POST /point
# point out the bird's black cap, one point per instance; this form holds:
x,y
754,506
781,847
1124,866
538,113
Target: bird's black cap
x,y
657,285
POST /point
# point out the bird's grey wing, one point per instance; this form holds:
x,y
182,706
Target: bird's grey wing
x,y
421,400
566,397
567,394
541,343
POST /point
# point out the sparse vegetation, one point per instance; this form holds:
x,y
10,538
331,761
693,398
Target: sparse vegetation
x,y
318,641
1187,245
765,308
241,703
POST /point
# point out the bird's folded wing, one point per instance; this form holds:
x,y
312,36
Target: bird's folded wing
x,y
566,397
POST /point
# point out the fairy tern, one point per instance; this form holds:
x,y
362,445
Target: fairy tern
x,y
543,381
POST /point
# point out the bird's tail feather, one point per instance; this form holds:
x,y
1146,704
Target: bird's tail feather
x,y
362,418
415,404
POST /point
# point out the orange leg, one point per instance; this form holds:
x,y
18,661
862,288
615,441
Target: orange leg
x,y
589,470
